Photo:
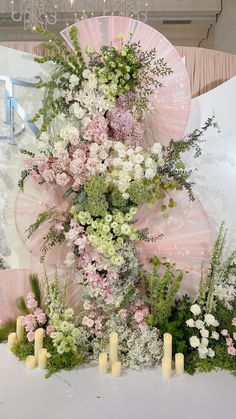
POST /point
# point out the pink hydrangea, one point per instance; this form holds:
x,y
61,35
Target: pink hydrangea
x,y
48,175
87,305
62,179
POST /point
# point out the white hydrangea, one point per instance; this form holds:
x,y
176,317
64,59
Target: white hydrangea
x,y
157,149
86,73
77,110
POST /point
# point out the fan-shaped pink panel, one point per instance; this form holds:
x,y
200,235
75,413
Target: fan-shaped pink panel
x,y
13,284
29,204
186,241
172,102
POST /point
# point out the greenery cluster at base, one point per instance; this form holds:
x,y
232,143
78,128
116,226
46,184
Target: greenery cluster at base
x,y
6,329
56,362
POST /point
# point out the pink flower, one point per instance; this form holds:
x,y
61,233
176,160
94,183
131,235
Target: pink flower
x,y
62,179
229,341
87,305
32,303
87,321
48,175
98,325
59,227
224,332
139,316
123,313
234,336
35,176
49,329
231,350
234,321
143,326
42,318
30,336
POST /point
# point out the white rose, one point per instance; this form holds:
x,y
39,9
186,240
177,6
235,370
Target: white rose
x,y
209,319
195,309
205,341
215,335
211,353
199,324
190,323
204,333
203,351
194,341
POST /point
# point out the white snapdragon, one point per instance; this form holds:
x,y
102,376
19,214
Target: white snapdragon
x,y
195,309
157,149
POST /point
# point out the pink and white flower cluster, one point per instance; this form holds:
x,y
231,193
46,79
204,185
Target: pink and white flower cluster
x,y
230,340
35,319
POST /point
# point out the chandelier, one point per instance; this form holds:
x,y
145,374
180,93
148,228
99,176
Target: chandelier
x,y
42,13
34,13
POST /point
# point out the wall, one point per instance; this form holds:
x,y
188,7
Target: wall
x,y
223,36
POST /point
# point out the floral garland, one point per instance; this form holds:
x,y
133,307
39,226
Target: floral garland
x,y
92,142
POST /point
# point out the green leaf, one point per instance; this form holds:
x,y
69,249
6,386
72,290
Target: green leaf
x,y
35,286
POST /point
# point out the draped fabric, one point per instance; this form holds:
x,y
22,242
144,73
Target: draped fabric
x,y
206,68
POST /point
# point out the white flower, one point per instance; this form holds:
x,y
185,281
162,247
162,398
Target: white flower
x,y
150,173
77,110
195,309
215,335
69,259
44,137
199,324
74,80
204,333
203,351
190,323
86,73
224,332
205,341
194,341
210,320
149,162
211,353
156,148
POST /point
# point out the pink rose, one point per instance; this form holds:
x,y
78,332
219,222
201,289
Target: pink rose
x,y
224,332
234,336
231,350
30,336
234,321
229,341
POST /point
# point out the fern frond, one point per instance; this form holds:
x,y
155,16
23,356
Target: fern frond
x,y
49,214
35,287
21,305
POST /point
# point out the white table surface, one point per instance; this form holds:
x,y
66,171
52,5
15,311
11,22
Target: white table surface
x,y
85,394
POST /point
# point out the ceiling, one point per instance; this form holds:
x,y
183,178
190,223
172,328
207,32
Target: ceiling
x,y
183,22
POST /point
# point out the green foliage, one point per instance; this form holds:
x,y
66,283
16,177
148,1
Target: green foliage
x,y
6,329
23,177
35,287
221,361
174,167
161,286
23,349
49,214
96,203
139,191
56,362
218,272
21,305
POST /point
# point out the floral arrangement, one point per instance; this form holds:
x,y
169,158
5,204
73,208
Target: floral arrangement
x,y
92,143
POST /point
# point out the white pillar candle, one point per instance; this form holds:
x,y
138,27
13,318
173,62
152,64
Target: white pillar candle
x,y
116,369
167,346
166,368
19,329
113,349
38,341
42,359
179,364
102,363
30,362
12,339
